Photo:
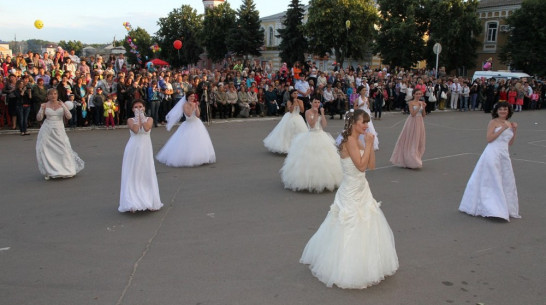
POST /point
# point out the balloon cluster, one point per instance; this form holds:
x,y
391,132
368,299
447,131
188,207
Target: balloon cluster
x,y
155,48
132,41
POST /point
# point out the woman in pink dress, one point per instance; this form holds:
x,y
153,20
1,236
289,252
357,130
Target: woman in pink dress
x,y
410,146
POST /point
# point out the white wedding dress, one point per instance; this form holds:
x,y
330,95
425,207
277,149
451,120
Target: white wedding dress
x,y
189,146
354,246
139,189
312,163
55,156
491,190
280,138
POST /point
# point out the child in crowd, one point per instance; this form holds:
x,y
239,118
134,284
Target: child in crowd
x,y
73,122
109,112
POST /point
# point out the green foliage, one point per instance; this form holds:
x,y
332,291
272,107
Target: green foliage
x,y
217,23
293,44
326,27
77,46
403,25
525,49
183,24
36,45
247,37
142,40
455,25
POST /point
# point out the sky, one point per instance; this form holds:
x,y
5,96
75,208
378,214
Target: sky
x,y
99,21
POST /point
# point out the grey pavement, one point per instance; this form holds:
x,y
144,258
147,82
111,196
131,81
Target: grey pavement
x,y
230,234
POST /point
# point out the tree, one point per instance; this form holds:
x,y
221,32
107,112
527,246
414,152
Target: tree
x,y
142,41
36,45
181,24
293,44
77,46
525,47
327,29
217,23
247,37
455,25
402,26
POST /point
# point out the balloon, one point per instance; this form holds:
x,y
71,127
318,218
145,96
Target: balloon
x,y
38,24
177,44
69,105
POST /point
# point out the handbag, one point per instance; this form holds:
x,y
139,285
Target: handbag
x,y
432,98
443,95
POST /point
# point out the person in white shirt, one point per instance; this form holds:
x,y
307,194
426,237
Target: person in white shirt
x,y
304,90
455,90
328,95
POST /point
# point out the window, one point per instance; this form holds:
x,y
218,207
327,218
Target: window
x,y
270,36
491,31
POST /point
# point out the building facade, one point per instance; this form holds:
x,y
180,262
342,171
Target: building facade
x,y
495,30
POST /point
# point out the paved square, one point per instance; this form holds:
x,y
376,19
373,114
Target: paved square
x,y
230,234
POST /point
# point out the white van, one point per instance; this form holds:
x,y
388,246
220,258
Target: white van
x,y
499,75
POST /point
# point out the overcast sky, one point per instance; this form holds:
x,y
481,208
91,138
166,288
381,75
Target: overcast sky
x,y
98,21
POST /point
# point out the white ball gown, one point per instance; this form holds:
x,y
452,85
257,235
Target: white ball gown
x,y
491,190
280,138
189,146
55,156
139,189
354,246
312,163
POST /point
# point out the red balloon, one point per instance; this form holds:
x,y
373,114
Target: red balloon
x,y
177,44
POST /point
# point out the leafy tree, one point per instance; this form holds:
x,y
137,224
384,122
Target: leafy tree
x,y
36,45
181,24
455,25
217,23
142,40
402,26
326,27
77,46
247,37
525,49
293,44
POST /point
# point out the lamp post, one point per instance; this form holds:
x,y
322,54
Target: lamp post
x,y
347,27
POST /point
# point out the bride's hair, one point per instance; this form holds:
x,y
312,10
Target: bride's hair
x,y
352,117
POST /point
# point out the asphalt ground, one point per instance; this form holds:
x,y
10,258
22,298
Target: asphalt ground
x,y
230,234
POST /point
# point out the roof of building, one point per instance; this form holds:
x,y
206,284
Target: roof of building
x,y
498,3
280,15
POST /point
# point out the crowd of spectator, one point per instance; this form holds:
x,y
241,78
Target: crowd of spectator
x,y
238,89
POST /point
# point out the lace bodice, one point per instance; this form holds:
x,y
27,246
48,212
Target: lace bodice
x,y
317,126
296,110
503,139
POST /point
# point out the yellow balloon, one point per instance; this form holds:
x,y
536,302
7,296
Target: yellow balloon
x,y
38,24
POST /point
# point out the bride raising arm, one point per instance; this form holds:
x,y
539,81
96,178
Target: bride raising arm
x,y
356,124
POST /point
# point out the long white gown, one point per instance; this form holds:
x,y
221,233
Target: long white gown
x,y
491,190
55,156
280,138
139,189
312,163
354,246
189,146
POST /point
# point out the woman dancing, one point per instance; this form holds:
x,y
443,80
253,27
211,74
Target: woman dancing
x,y
55,156
491,190
190,145
139,190
354,246
312,163
291,124
410,146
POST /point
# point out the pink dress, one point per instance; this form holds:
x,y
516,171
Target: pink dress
x,y
410,146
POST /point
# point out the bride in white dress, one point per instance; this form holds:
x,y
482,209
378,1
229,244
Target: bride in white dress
x,y
190,145
291,124
354,246
364,104
491,190
55,156
139,190
312,163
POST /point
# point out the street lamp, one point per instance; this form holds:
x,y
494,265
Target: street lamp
x,y
347,27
